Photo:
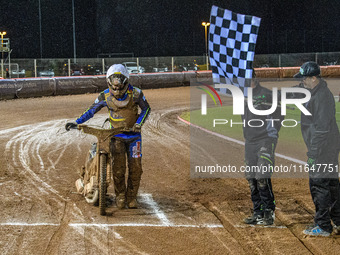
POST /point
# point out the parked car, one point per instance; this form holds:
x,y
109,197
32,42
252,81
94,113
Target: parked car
x,y
77,72
187,67
93,70
15,71
180,68
18,73
331,63
133,68
264,66
46,73
191,67
160,68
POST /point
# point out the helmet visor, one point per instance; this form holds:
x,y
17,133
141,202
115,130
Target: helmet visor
x,y
117,80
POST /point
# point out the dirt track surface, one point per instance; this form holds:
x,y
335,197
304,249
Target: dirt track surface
x,y
42,214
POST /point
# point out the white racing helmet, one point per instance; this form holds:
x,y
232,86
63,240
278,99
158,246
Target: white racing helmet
x,y
118,79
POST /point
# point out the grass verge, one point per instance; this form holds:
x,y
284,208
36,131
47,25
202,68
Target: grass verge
x,y
290,137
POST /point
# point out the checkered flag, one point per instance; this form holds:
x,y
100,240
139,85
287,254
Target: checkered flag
x,y
232,40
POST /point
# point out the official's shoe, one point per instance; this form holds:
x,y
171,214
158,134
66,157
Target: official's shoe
x,y
268,217
336,229
133,204
316,231
311,226
254,219
120,201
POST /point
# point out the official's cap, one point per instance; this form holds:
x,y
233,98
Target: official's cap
x,y
308,69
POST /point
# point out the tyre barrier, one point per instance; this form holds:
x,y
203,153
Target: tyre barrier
x,y
38,87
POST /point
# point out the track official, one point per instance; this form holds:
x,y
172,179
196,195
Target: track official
x,y
321,135
260,144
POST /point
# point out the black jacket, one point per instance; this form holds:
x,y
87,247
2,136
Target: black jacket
x,y
320,131
268,130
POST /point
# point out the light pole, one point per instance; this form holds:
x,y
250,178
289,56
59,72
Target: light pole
x,y
2,53
2,36
74,33
206,25
40,34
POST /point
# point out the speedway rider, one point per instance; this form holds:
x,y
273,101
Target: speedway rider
x,y
123,101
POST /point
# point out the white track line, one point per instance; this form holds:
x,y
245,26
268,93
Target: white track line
x,y
98,225
157,210
144,225
23,224
146,198
258,226
239,142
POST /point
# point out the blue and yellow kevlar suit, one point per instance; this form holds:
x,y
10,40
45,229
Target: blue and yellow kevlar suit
x,y
123,113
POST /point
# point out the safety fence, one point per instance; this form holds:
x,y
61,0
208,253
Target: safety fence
x,y
20,68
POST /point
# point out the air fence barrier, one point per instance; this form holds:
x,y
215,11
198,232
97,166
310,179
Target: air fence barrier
x,y
288,72
38,87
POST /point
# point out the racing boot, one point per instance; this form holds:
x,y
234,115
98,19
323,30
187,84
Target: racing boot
x,y
132,204
268,217
120,201
131,193
254,219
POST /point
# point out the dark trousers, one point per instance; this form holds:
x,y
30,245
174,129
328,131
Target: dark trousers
x,y
258,154
325,193
130,151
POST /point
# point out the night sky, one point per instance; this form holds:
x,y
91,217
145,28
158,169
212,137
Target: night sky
x,y
162,28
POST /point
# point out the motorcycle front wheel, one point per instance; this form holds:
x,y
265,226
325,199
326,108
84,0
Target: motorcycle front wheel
x,y
102,184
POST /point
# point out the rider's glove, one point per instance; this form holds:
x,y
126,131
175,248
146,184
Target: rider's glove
x,y
136,127
311,162
71,125
258,100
